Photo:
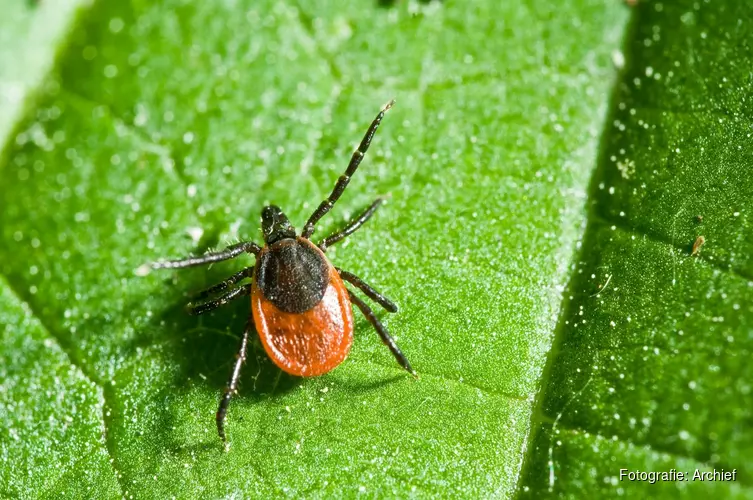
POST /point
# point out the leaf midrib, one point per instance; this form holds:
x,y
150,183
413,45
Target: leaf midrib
x,y
595,214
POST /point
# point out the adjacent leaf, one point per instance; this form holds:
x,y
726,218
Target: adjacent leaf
x,y
652,370
168,125
29,35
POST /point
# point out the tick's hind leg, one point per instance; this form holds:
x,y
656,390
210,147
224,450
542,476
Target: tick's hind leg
x,y
352,227
241,291
208,258
370,292
232,383
383,334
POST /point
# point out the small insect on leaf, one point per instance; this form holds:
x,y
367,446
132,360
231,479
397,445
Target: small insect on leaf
x,y
697,245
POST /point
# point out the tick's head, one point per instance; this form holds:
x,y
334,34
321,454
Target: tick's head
x,y
275,225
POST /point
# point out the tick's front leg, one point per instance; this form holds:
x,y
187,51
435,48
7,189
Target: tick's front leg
x,y
208,258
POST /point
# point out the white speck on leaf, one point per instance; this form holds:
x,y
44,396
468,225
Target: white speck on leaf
x,y
195,233
618,59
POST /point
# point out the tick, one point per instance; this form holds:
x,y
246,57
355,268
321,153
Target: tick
x,y
300,305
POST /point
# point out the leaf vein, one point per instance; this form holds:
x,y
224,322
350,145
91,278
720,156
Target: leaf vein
x,y
449,380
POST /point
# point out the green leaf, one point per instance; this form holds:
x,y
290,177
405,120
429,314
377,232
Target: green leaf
x,y
166,126
651,369
30,32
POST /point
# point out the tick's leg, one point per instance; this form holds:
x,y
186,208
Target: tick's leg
x,y
197,309
352,227
370,292
208,258
232,384
383,334
342,182
223,285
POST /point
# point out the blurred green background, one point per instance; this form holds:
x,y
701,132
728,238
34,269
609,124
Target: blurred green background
x,y
550,166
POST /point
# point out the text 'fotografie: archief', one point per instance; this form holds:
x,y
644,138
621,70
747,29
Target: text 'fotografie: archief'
x,y
675,475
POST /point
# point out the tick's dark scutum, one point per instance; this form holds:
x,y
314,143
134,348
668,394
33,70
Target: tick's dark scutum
x,y
293,275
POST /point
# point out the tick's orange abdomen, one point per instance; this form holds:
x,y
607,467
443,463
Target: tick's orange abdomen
x,y
310,343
